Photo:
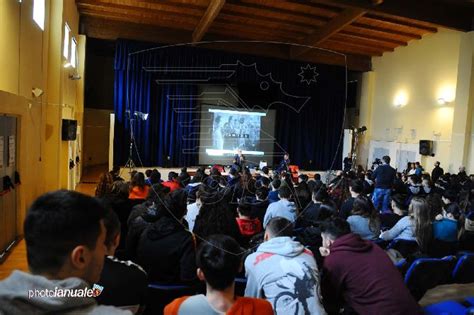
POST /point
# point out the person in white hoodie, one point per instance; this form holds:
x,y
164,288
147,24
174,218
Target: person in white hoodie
x,y
284,272
65,235
282,208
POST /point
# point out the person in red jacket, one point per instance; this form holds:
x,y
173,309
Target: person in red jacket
x,y
172,183
361,274
218,262
248,225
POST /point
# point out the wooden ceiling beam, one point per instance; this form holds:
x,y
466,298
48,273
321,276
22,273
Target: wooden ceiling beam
x,y
209,16
110,29
332,27
372,37
449,15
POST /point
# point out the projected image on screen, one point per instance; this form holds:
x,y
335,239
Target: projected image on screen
x,y
234,130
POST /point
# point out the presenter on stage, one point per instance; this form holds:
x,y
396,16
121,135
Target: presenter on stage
x,y
239,160
283,166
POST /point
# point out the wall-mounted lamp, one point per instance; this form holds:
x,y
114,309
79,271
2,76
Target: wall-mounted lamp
x,y
401,99
442,101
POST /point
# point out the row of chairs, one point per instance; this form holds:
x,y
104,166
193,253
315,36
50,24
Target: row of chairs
x,y
426,273
451,307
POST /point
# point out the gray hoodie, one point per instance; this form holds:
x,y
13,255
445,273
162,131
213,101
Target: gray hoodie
x,y
282,208
285,273
17,297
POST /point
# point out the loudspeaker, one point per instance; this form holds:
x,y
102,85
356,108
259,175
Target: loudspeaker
x,y
426,147
69,130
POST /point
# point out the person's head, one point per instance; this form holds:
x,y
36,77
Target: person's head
x,y
120,189
302,178
112,227
284,192
317,176
278,227
332,229
386,159
148,173
104,187
261,193
414,180
413,166
462,169
244,209
115,170
65,236
398,205
138,180
426,182
239,151
175,204
155,177
449,196
218,261
437,163
276,183
349,155
265,170
417,164
184,169
172,176
286,156
420,210
364,207
356,187
320,195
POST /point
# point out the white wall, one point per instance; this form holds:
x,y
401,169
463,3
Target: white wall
x,y
421,72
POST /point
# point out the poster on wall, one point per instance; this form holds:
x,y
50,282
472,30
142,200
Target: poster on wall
x,y
11,150
1,151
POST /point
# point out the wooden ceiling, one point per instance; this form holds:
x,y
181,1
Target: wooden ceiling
x,y
359,29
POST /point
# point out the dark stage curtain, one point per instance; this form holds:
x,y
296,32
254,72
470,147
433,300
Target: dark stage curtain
x,y
311,134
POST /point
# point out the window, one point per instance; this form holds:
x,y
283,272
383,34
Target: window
x,y
67,31
38,13
72,61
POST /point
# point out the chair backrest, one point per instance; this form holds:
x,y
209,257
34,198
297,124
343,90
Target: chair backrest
x,y
464,270
426,273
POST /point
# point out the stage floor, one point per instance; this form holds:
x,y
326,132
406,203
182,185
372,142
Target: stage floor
x,y
125,172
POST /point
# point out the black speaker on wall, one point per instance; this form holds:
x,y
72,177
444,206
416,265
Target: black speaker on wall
x,y
426,147
69,130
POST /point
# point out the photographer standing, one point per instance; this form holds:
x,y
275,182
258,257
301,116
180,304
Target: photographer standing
x,y
384,177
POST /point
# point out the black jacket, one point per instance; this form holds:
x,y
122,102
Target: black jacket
x,y
167,252
384,176
436,173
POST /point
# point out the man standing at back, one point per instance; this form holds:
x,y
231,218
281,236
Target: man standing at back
x,y
284,272
65,235
437,172
384,177
360,274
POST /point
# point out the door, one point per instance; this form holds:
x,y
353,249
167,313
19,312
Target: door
x,y
8,195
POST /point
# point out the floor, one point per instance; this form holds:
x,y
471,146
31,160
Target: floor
x,y
17,258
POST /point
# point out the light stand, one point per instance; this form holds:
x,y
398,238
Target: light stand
x,y
130,164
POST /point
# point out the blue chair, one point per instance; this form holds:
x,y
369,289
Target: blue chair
x,y
161,294
426,273
446,308
470,300
464,270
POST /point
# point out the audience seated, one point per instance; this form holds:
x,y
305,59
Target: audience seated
x,y
218,262
315,183
284,272
166,250
260,205
360,274
317,210
142,216
364,219
172,183
356,188
446,228
404,229
125,282
247,223
282,208
399,210
273,194
65,236
104,187
192,211
466,240
115,172
138,188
